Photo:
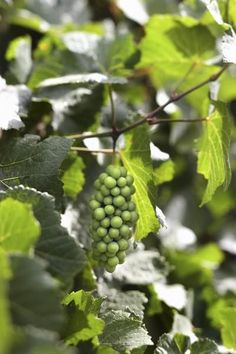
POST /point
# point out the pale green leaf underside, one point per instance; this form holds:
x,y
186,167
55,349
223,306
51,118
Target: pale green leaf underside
x,y
137,160
213,147
19,229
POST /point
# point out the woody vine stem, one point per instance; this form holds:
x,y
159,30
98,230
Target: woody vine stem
x,y
150,118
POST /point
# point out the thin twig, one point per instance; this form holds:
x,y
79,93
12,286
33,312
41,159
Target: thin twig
x,y
159,121
98,151
147,118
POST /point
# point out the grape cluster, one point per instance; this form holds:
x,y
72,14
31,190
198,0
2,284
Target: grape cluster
x,y
113,216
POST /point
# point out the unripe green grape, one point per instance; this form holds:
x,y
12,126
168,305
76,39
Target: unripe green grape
x,y
123,171
113,171
114,233
105,222
121,182
101,247
121,256
110,182
107,200
134,216
115,191
124,206
126,215
113,247
104,190
107,239
101,231
118,212
123,245
95,237
109,209
126,191
102,176
116,222
97,184
99,214
129,180
131,206
124,231
103,257
99,197
109,269
94,204
133,190
118,201
113,261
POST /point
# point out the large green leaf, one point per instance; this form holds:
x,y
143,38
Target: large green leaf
x,y
124,331
73,177
167,344
64,256
19,230
204,346
84,323
228,322
33,163
213,147
34,295
137,160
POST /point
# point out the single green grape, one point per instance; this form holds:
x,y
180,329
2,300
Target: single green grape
x,y
126,191
95,224
99,197
133,190
118,212
102,176
113,247
107,239
99,214
101,247
113,261
131,206
110,182
97,184
109,209
116,222
115,191
118,201
114,233
121,256
134,217
109,268
94,204
105,191
103,257
107,200
101,231
105,222
123,245
126,215
125,231
124,206
129,180
121,182
113,171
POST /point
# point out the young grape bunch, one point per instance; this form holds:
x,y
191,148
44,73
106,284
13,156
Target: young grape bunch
x,y
114,216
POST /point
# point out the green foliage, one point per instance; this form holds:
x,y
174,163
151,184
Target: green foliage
x,y
139,97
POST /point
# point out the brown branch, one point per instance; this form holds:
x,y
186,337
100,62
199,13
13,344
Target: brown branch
x,y
149,116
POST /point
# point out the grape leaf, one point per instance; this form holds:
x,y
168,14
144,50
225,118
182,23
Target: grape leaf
x,y
33,163
29,286
204,346
142,268
167,345
73,176
165,172
213,151
84,323
137,160
124,331
64,256
19,230
228,322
